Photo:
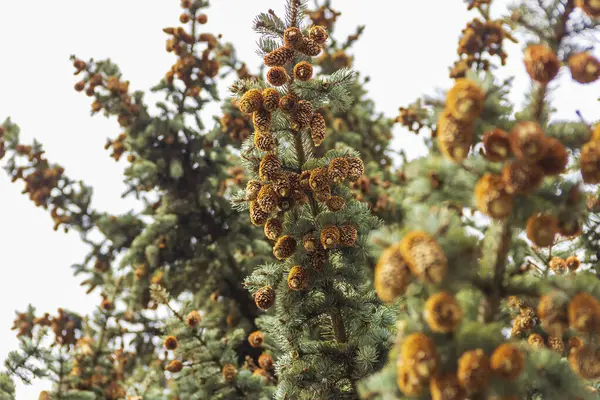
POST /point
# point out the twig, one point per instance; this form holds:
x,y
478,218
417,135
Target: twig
x,y
198,337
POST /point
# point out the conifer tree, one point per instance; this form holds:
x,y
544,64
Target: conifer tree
x,y
359,127
498,292
187,253
326,324
77,365
486,263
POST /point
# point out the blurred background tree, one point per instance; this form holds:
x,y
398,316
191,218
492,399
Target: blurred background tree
x,y
491,264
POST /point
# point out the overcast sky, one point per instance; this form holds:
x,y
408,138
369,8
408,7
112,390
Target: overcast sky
x,y
406,50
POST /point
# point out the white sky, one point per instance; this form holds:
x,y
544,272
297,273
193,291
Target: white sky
x,y
406,50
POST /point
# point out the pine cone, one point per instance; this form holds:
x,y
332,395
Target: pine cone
x,y
257,216
273,228
338,170
292,37
282,184
277,76
519,177
171,343
264,297
558,265
465,100
491,197
568,226
174,366
298,278
496,145
317,129
285,247
263,140
446,387
288,103
303,71
336,203
585,68
309,46
265,361
536,341
256,339
309,242
454,137
474,370
507,361
267,199
555,343
392,274
193,319
279,57
442,313
590,162
425,257
584,313
552,312
409,383
585,361
251,101
262,120
303,113
573,263
527,141
590,7
541,63
541,229
229,372
330,236
319,179
252,188
419,353
356,168
555,159
318,34
269,167
318,259
348,235
270,99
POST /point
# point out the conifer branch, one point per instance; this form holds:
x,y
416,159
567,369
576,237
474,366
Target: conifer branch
x,y
198,336
499,269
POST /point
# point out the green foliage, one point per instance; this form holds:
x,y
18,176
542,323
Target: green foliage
x,y
335,331
492,262
187,237
7,387
192,248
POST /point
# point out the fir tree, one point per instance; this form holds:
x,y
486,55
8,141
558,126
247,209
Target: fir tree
x,y
327,325
359,127
489,264
487,259
188,250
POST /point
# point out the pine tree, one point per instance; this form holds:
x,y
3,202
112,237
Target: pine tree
x,y
489,266
327,325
